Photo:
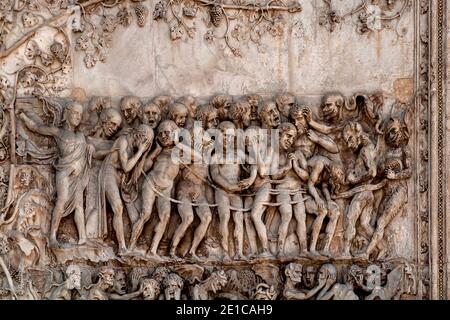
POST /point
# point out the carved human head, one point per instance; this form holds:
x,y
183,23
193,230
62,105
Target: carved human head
x,y
208,116
160,274
106,276
255,101
298,118
332,104
73,114
265,292
173,284
309,276
217,280
73,276
191,104
150,289
167,133
353,133
288,133
269,115
336,175
111,119
222,103
396,134
285,102
228,133
178,113
294,272
144,134
130,107
240,113
151,114
163,103
120,282
97,104
327,273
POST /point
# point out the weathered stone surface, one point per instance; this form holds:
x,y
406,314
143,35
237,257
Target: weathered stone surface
x,y
337,108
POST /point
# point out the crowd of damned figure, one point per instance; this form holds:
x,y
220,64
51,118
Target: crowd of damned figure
x,y
330,165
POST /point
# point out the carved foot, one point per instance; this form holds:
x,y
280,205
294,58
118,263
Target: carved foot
x,y
154,257
82,241
240,257
327,253
193,257
304,254
174,257
266,255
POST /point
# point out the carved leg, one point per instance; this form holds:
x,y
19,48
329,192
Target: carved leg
x,y
204,213
355,208
263,195
148,199
333,215
317,225
61,201
224,218
163,207
186,213
112,193
364,220
238,219
392,207
286,216
300,217
250,228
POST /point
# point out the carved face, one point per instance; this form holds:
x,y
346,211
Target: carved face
x,y
287,137
74,279
74,114
28,79
300,123
111,124
222,103
285,103
352,136
178,114
107,277
394,134
270,116
150,289
172,291
331,107
309,276
218,281
327,272
152,115
294,272
228,133
130,108
166,133
120,282
254,101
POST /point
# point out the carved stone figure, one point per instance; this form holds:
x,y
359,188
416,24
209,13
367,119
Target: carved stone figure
x,y
71,170
131,107
64,291
293,273
158,187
